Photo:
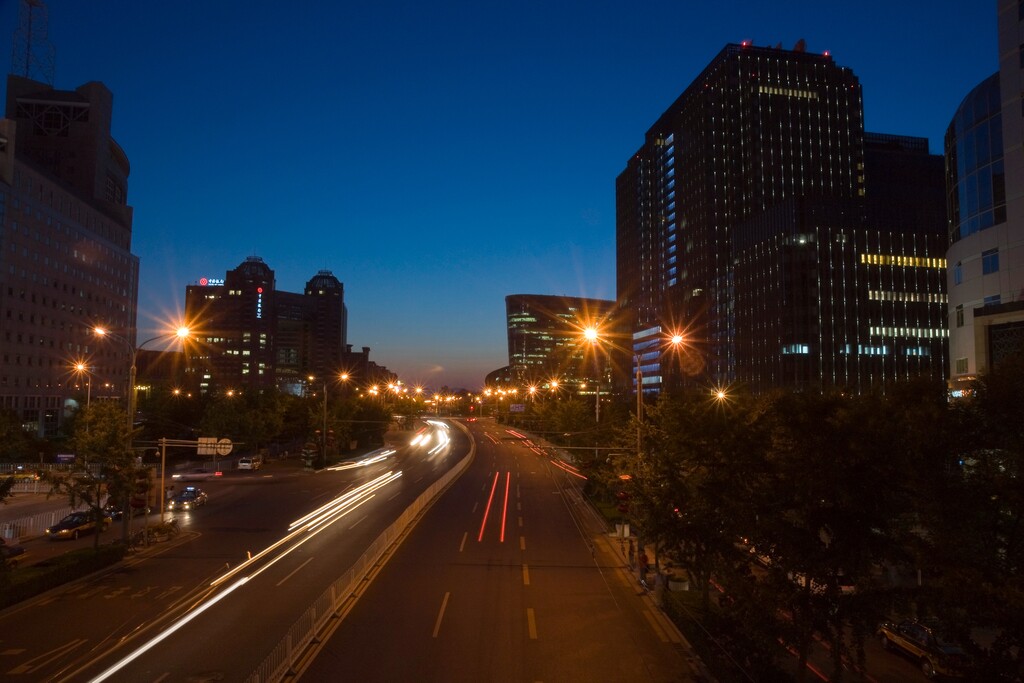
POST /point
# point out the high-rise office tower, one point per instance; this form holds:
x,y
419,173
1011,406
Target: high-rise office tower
x,y
985,184
65,252
250,335
760,132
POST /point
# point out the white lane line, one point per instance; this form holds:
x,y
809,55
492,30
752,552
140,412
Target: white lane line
x,y
294,571
440,614
353,525
465,535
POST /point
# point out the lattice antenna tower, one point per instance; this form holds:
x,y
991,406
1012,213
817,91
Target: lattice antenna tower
x,y
33,56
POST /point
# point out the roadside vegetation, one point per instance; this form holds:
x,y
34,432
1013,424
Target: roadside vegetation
x,y
797,517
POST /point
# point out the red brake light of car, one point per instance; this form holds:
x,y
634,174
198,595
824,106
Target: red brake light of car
x,y
218,473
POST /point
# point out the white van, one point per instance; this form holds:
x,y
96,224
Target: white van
x,y
250,463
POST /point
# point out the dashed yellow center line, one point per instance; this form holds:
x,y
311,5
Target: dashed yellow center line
x,y
531,623
526,575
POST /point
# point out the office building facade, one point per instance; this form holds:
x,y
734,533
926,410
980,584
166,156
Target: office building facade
x,y
731,218
65,252
985,185
250,335
546,343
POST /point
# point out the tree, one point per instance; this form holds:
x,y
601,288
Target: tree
x,y
15,443
103,463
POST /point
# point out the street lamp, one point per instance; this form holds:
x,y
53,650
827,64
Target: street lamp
x,y
323,434
671,342
80,369
182,333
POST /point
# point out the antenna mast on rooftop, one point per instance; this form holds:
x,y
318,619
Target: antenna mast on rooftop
x,y
32,55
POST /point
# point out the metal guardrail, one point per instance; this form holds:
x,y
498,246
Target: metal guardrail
x,y
279,663
33,525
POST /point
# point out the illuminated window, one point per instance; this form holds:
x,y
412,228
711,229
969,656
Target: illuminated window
x,y
902,261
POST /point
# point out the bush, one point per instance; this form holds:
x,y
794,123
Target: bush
x,y
26,582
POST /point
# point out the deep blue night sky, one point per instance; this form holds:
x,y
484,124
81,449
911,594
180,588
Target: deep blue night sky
x,y
435,158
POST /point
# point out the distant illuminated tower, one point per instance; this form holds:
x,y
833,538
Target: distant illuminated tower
x,y
253,336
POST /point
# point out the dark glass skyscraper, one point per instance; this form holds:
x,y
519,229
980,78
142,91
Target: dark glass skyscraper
x,y
713,211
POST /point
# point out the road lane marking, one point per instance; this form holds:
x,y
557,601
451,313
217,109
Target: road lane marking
x,y
294,571
526,575
440,614
465,535
522,542
531,623
394,495
355,523
520,522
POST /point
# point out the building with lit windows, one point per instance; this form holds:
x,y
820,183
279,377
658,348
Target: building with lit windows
x,y
733,218
985,185
545,339
65,252
252,336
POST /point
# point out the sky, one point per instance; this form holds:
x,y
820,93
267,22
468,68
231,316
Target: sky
x,y
439,156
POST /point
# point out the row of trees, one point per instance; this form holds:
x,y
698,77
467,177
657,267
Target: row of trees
x,y
916,501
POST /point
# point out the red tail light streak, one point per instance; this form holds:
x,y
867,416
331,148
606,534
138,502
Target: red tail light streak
x,y
490,500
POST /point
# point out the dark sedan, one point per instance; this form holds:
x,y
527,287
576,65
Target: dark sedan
x,y
74,525
189,499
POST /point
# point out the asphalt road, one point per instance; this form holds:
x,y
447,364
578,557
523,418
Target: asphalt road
x,y
508,577
163,599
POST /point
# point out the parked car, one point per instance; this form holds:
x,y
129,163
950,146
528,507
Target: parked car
x,y
250,463
11,554
195,474
189,499
74,525
922,642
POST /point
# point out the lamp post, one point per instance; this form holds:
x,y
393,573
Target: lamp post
x,y
673,342
182,333
80,369
323,434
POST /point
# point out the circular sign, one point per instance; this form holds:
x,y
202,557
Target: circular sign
x,y
203,281
224,447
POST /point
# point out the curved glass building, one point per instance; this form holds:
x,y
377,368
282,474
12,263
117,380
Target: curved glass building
x,y
985,198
